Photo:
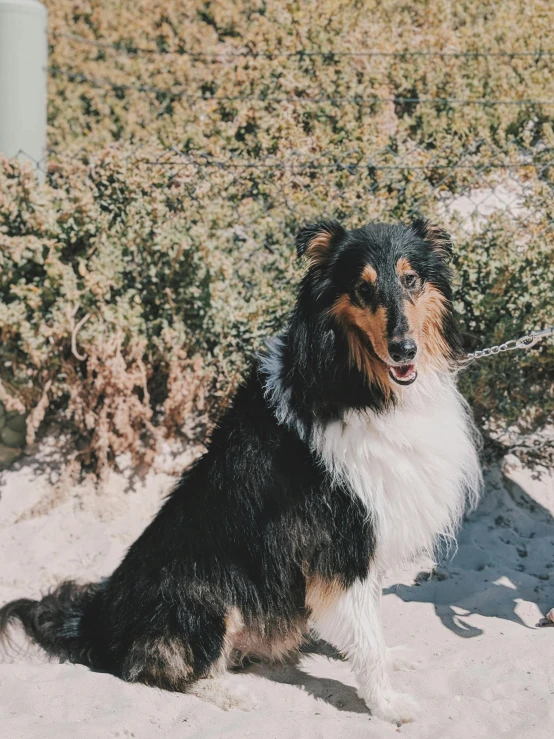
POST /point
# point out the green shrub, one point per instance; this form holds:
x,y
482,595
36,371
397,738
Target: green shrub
x,y
136,284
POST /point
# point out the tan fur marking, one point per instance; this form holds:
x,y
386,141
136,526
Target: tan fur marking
x,y
264,641
318,247
234,625
321,594
425,316
403,267
359,324
369,274
165,662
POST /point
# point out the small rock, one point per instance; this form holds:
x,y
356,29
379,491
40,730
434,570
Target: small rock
x,y
422,577
438,573
16,422
548,620
12,438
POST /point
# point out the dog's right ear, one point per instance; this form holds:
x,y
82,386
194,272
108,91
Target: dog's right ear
x,y
316,240
435,236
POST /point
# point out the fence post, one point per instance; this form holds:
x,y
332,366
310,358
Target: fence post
x,y
23,78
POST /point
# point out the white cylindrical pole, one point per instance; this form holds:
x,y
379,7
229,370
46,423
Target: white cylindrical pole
x,y
23,77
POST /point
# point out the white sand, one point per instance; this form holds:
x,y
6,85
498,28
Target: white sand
x,y
484,669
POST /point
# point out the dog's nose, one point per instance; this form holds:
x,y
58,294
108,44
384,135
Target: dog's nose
x,y
403,350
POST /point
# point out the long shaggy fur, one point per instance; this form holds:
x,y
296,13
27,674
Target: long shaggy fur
x,y
346,451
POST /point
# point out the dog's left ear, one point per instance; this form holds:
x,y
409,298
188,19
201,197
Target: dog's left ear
x,y
435,236
316,240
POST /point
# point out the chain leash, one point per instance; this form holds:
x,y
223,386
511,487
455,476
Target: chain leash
x,y
524,342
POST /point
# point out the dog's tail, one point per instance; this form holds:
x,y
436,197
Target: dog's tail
x,y
62,623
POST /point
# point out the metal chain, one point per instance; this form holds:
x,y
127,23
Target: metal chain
x,y
524,342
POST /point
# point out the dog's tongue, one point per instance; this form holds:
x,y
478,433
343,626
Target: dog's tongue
x,y
403,374
403,371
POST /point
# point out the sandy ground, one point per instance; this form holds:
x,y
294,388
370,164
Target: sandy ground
x,y
483,667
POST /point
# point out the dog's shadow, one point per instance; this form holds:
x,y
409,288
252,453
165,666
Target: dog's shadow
x,y
504,556
341,696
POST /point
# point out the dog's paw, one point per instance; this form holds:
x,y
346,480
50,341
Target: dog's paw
x,y
224,696
398,708
399,658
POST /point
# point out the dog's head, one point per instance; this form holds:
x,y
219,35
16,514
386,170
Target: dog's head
x,y
386,288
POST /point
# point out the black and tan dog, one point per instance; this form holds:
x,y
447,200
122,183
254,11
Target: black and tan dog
x,y
347,451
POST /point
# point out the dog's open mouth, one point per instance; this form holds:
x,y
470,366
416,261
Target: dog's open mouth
x,y
403,374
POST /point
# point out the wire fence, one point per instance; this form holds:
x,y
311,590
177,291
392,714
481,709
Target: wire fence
x,y
359,100
470,188
478,188
498,205
131,49
238,146
469,182
468,193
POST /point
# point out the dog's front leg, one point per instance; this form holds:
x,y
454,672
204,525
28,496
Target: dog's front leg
x,y
351,623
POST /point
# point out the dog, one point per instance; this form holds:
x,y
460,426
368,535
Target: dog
x,y
347,451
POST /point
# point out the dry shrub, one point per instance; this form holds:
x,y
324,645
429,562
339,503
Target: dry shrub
x,y
185,405
95,244
110,401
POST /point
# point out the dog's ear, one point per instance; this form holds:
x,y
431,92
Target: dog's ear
x,y
316,240
435,236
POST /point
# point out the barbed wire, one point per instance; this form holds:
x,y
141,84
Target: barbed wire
x,y
338,165
356,99
297,160
329,53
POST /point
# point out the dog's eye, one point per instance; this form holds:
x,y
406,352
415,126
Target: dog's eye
x,y
364,288
410,280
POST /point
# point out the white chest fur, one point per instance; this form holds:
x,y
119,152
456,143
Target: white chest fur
x,y
414,468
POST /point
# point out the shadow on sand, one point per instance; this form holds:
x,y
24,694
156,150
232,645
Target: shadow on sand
x,y
341,696
505,555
